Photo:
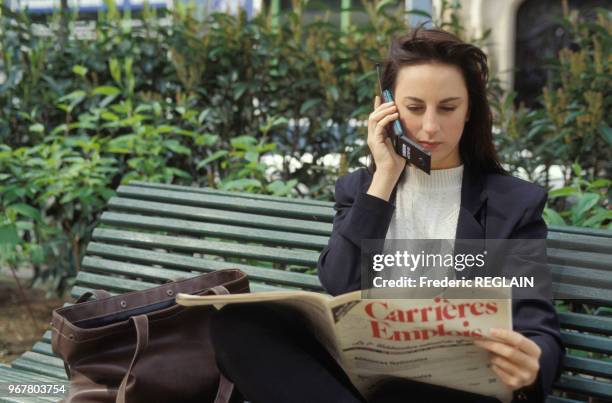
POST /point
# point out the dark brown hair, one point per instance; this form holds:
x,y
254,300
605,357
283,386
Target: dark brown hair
x,y
423,45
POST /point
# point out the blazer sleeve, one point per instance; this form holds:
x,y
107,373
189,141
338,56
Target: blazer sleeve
x,y
358,216
535,317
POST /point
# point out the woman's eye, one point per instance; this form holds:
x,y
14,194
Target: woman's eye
x,y
448,108
415,108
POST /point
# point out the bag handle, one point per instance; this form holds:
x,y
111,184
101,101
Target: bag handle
x,y
97,294
226,387
141,323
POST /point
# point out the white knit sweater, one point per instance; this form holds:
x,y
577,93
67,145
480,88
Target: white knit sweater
x,y
427,206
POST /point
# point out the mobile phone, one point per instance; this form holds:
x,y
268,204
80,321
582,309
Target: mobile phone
x,y
410,150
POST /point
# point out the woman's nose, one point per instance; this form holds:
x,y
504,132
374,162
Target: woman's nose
x,y
430,123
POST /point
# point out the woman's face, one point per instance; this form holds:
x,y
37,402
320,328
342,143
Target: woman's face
x,y
432,101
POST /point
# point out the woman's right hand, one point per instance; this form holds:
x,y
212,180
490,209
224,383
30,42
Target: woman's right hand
x,y
389,165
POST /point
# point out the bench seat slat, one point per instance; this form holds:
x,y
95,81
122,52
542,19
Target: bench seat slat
x,y
223,231
44,359
240,250
112,284
40,368
581,276
147,259
26,376
28,399
589,366
144,207
592,295
89,282
229,202
593,232
43,348
585,386
560,240
131,270
587,342
579,258
256,196
586,323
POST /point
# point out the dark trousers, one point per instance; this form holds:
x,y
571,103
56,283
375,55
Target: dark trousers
x,y
271,357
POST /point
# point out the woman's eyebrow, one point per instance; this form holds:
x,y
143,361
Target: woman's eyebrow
x,y
409,98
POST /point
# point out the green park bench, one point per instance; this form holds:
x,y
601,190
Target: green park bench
x,y
154,233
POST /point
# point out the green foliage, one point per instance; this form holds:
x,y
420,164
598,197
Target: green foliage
x,y
570,131
572,126
51,194
584,201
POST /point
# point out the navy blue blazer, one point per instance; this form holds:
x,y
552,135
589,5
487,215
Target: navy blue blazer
x,y
493,206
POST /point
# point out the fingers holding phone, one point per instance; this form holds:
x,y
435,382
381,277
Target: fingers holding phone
x,y
386,159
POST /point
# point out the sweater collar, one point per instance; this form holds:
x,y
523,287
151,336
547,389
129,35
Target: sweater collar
x,y
471,224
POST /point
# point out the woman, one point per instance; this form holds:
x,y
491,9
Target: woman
x,y
439,87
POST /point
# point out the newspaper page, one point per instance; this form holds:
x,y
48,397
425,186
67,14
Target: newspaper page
x,y
426,340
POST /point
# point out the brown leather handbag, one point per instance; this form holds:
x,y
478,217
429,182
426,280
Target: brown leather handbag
x,y
142,346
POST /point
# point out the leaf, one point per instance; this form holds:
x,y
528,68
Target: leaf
x,y
8,234
334,93
239,89
215,156
552,217
241,184
243,142
106,115
26,210
606,132
37,255
115,71
279,121
165,129
585,203
252,156
280,188
79,70
599,183
206,139
36,128
178,172
106,90
177,147
597,219
73,96
309,104
67,198
562,192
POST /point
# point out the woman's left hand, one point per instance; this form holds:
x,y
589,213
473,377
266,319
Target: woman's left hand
x,y
515,358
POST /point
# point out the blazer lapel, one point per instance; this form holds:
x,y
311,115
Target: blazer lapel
x,y
470,224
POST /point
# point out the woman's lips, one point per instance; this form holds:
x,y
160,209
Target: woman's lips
x,y
429,145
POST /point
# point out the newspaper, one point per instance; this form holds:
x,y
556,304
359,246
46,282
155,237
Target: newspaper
x,y
373,340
